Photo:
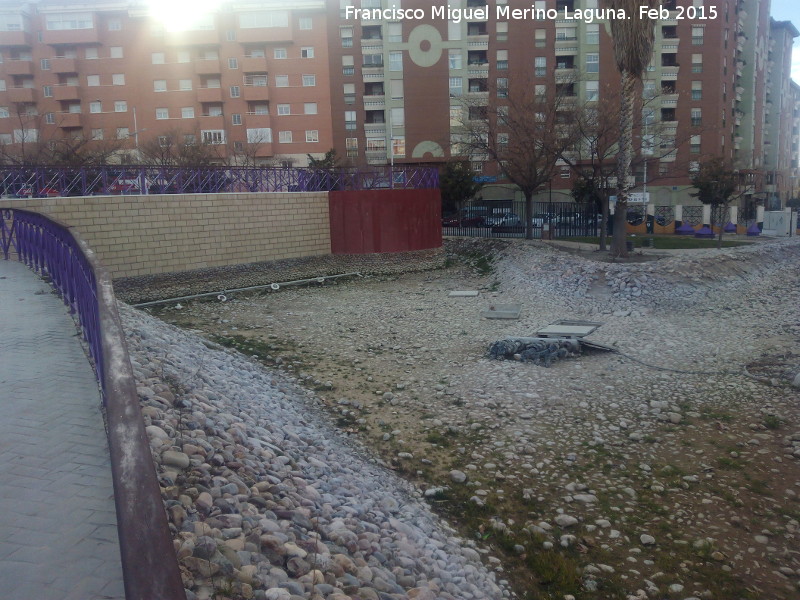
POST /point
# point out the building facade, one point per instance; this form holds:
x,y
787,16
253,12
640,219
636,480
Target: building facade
x,y
384,81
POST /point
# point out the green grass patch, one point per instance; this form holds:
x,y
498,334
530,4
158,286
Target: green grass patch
x,y
663,242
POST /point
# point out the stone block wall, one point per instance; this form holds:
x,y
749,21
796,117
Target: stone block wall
x,y
149,235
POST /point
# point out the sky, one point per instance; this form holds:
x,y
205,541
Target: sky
x,y
789,10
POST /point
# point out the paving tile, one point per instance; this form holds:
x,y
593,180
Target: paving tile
x,y
58,533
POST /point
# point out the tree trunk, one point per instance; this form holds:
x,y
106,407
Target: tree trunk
x,y
722,212
528,214
604,223
624,158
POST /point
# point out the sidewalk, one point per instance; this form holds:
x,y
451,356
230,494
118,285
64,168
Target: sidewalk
x,y
58,532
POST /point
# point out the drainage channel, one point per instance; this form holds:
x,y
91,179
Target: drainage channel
x,y
222,296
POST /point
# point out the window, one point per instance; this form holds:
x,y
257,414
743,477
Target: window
x,y
502,60
697,35
398,117
47,91
347,66
351,145
214,111
257,53
185,85
50,118
349,93
258,81
396,89
307,52
395,32
312,135
261,109
455,115
157,58
114,25
118,79
453,31
45,64
95,107
310,108
395,61
376,145
697,63
540,37
162,113
540,66
91,53
456,87
279,53
122,133
305,23
502,87
349,119
93,80
285,137
694,144
236,119
309,80
346,33
235,91
697,117
592,90
120,106
373,60
187,112
697,90
282,81
164,141
566,34
160,85
184,56
502,31
399,146
284,109
2,85
62,21
97,134
5,139
265,19
189,139
649,88
259,135
593,34
455,59
592,63
213,136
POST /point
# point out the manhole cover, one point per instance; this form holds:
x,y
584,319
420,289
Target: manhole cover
x,y
502,311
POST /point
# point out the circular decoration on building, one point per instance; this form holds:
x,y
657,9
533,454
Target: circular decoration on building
x,y
427,147
425,45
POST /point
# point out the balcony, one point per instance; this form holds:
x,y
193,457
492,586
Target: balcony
x,y
374,102
22,95
16,38
207,66
62,64
670,72
211,122
375,129
253,93
66,92
669,99
69,120
372,73
253,64
372,44
197,37
70,36
18,67
567,49
264,35
209,94
257,120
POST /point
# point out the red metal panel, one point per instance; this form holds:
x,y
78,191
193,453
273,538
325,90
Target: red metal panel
x,y
377,221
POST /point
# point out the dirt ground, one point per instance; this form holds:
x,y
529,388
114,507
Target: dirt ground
x,y
680,478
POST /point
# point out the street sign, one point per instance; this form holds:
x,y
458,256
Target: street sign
x,y
485,178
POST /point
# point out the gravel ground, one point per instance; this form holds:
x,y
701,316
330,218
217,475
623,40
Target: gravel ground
x,y
668,470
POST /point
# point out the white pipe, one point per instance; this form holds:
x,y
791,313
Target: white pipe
x,y
245,289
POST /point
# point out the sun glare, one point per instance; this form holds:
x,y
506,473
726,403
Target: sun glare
x,y
180,15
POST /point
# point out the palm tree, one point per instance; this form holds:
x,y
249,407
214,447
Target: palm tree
x,y
633,47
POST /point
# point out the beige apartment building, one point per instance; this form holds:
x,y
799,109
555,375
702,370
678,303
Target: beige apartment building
x,y
388,81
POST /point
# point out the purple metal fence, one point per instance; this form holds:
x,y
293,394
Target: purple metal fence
x,y
20,181
53,250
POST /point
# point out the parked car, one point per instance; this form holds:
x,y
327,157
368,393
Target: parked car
x,y
504,220
469,217
541,218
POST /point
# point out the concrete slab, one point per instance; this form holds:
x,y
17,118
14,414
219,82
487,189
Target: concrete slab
x,y
502,311
464,293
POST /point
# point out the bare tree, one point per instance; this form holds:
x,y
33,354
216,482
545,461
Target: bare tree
x,y
523,132
717,184
178,149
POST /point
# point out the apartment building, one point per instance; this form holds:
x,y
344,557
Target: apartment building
x,y
390,81
252,79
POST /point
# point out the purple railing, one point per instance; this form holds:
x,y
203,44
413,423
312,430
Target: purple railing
x,y
149,566
20,181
